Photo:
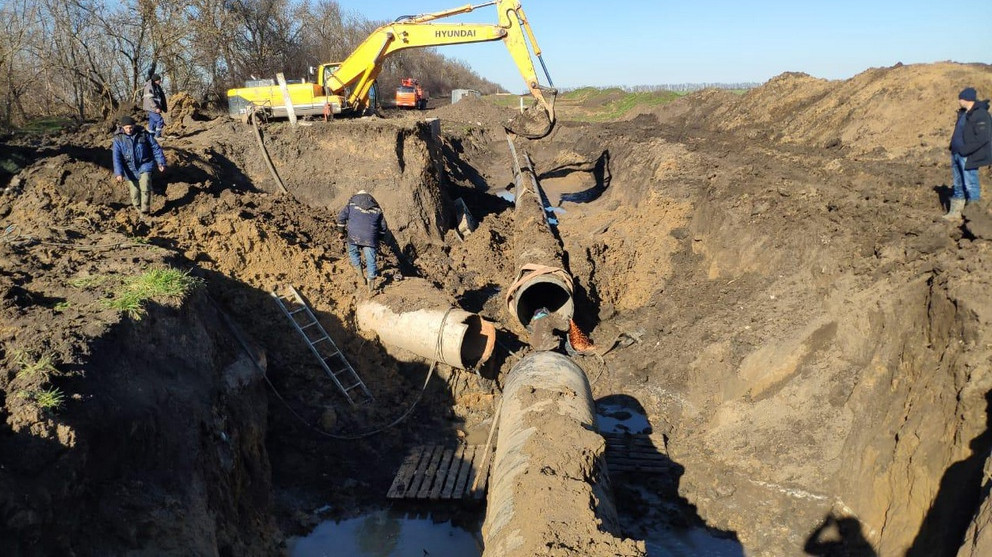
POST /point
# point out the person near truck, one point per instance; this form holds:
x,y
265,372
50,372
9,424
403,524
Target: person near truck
x,y
155,105
971,149
363,223
135,154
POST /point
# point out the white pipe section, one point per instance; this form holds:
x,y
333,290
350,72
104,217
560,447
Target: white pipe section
x,y
452,336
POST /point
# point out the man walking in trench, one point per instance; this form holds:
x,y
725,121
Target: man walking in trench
x,y
135,154
362,218
155,105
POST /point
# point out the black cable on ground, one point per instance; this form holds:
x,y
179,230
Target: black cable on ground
x,y
253,116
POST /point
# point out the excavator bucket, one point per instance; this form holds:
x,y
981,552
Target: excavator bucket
x,y
536,121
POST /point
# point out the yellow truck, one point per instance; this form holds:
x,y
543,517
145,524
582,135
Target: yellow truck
x,y
349,87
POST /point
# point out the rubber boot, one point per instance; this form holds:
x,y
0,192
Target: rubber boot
x,y
954,211
372,285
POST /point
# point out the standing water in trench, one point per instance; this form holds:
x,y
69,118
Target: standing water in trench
x,y
386,533
668,530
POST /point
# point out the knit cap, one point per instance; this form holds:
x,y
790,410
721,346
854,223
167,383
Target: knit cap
x,y
968,94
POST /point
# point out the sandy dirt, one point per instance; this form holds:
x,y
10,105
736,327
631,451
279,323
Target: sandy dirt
x,y
770,270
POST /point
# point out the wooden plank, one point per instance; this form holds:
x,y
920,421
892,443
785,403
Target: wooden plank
x,y
456,463
442,474
418,476
480,485
637,440
636,461
402,480
641,469
634,453
464,472
656,439
430,474
290,111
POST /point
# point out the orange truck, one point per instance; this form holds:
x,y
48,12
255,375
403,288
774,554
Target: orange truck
x,y
410,95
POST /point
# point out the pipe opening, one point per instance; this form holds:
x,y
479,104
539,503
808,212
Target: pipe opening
x,y
545,291
478,342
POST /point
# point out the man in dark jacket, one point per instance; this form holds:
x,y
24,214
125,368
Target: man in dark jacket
x,y
971,149
365,224
155,104
135,154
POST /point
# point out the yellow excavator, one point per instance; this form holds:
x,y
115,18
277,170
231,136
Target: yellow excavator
x,y
348,87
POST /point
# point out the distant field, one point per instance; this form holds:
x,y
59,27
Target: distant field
x,y
591,104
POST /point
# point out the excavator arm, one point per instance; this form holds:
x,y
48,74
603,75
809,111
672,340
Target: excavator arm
x,y
353,78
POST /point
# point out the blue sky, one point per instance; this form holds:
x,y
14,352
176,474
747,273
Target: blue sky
x,y
641,42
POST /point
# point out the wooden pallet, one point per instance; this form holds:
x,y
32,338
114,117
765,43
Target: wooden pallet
x,y
636,453
438,472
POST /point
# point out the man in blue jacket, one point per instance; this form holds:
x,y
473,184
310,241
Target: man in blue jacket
x,y
365,224
135,155
971,149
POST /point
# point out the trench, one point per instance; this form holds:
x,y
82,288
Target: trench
x,y
728,331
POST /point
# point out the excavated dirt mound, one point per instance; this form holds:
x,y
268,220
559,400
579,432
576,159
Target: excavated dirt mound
x,y
906,111
766,275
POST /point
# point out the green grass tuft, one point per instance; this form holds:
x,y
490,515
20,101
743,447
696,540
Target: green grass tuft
x,y
153,284
49,399
30,367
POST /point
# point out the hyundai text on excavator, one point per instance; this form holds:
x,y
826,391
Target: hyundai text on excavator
x,y
411,95
349,87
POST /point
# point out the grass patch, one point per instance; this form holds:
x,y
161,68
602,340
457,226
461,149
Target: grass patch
x,y
30,366
49,399
48,125
617,107
153,284
592,104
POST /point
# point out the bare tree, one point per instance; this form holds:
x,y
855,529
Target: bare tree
x,y
18,27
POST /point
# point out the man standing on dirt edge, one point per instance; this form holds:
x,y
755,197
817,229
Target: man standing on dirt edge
x,y
365,224
135,154
155,104
971,149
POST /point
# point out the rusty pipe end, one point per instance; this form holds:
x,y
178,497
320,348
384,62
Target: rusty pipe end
x,y
548,291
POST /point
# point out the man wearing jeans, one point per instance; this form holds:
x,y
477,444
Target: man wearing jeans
x,y
155,104
971,149
365,224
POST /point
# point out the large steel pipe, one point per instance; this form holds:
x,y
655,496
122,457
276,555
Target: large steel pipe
x,y
548,488
416,320
542,281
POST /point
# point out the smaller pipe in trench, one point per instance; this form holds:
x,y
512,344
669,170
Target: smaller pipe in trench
x,y
450,335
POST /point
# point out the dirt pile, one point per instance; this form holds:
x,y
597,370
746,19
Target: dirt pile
x,y
184,111
102,413
906,111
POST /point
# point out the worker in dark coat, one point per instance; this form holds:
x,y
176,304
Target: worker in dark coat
x,y
155,105
971,149
366,226
135,154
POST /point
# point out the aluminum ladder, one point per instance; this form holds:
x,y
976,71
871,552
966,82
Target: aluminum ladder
x,y
330,356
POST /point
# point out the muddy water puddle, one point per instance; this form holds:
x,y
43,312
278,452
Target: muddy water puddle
x,y
669,528
387,533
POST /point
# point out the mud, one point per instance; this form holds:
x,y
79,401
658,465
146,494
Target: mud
x,y
770,269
